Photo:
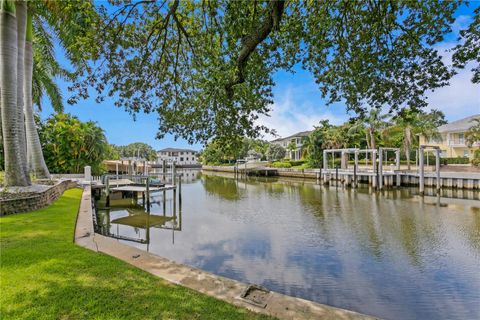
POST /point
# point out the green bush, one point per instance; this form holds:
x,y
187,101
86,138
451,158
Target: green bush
x,y
280,164
458,160
296,163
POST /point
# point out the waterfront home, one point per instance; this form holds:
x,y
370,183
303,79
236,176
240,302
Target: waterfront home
x,y
182,157
295,140
451,138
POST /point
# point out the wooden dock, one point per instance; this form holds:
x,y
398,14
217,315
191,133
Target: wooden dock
x,y
138,188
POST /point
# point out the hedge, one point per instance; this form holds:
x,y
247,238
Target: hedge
x,y
458,160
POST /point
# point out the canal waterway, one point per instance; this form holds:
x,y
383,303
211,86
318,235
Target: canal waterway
x,y
393,254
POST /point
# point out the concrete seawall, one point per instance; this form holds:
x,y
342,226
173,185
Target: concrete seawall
x,y
456,180
276,304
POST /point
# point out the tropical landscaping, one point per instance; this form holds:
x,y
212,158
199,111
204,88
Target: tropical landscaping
x,y
370,132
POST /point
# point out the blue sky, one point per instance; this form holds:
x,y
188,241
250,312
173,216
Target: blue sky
x,y
297,106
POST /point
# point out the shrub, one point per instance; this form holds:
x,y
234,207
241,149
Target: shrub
x,y
296,163
458,160
280,164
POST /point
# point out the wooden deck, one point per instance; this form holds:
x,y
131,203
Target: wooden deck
x,y
143,188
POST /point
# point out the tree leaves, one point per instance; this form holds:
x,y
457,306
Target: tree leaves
x,y
178,58
69,144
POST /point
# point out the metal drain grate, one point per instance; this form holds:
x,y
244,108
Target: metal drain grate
x,y
256,295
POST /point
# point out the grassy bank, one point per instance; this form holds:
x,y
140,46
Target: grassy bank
x,y
45,276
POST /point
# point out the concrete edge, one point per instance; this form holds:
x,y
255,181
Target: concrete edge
x,y
229,290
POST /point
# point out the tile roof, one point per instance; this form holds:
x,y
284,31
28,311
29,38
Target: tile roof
x,y
298,134
459,125
177,150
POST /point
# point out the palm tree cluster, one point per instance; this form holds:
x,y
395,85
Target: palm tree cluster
x,y
28,70
373,130
16,69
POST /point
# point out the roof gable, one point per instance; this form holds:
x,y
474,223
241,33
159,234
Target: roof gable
x,y
458,125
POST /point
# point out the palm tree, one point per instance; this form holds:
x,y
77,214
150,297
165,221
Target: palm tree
x,y
373,123
412,123
36,161
68,22
292,147
41,68
21,11
12,127
473,134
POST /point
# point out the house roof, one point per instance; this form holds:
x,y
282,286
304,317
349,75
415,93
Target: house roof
x,y
296,135
459,125
177,150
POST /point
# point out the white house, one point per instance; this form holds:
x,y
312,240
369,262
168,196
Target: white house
x,y
295,140
182,157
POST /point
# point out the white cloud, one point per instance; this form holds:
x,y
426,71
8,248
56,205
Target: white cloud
x,y
299,106
288,117
462,97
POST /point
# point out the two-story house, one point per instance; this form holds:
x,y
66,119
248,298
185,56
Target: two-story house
x,y
182,157
295,141
451,139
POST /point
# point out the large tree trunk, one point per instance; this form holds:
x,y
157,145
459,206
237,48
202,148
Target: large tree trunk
x,y
36,162
21,13
14,171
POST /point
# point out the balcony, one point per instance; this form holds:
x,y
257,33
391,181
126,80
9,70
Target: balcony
x,y
460,143
457,142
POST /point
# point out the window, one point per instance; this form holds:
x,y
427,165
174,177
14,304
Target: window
x,y
181,158
466,153
187,158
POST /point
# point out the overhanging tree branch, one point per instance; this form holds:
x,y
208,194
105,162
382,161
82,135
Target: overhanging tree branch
x,y
250,42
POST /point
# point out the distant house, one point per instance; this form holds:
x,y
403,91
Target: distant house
x,y
181,157
295,139
452,138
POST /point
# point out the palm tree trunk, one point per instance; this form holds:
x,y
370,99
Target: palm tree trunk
x,y
407,142
14,172
372,143
36,162
21,13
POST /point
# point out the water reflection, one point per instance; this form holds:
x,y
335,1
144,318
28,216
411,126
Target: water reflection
x,y
131,220
392,254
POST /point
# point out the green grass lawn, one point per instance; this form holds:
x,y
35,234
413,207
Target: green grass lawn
x,y
44,275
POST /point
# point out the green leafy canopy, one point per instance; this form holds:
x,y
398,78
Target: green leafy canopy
x,y
205,67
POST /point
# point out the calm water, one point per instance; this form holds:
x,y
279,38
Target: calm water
x,y
392,255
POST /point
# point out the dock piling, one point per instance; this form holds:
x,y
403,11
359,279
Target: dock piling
x,y
437,168
336,176
180,190
107,191
380,169
421,173
148,193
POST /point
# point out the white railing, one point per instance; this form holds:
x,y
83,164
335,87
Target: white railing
x,y
456,142
461,142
